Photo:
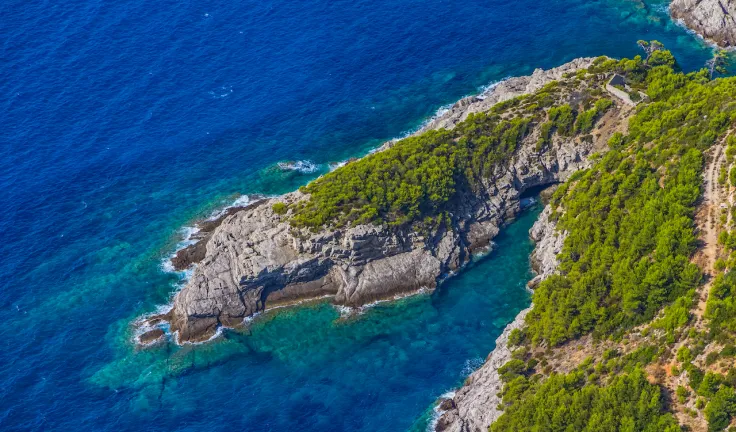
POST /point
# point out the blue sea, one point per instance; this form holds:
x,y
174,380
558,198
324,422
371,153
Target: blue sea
x,y
124,122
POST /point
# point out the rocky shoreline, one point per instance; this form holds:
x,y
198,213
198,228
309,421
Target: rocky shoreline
x,y
712,19
474,407
194,253
252,260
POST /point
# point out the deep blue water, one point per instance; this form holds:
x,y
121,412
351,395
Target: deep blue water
x,y
124,121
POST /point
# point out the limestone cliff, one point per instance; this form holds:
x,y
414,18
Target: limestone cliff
x,y
713,19
254,260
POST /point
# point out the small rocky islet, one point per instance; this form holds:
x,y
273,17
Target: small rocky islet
x,y
254,258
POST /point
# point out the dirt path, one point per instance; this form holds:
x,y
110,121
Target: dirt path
x,y
707,220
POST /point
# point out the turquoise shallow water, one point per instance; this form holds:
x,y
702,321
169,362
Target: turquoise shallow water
x,y
378,370
124,122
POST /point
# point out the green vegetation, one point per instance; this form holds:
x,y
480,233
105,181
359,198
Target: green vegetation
x,y
718,63
586,120
627,261
562,118
572,403
715,391
721,306
730,148
630,217
545,134
630,239
721,409
416,179
279,208
682,394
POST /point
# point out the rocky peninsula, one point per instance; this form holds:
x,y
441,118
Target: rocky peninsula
x,y
252,259
623,317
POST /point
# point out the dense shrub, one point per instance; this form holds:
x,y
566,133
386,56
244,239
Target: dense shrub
x,y
570,403
279,208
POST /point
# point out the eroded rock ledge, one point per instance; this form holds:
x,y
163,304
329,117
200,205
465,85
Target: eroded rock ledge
x,y
254,260
712,19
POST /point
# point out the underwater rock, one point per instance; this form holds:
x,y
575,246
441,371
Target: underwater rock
x,y
151,336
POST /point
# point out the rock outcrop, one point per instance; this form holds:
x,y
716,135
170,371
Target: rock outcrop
x,y
474,406
712,19
255,260
196,252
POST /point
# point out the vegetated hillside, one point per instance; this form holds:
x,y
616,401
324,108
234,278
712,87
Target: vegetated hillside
x,y
626,277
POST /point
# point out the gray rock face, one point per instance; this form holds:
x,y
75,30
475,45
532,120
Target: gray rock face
x,y
549,243
255,260
712,19
474,406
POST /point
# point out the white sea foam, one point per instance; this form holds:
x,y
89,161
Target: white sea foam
x,y
241,201
249,319
662,8
447,275
348,311
485,90
305,167
217,334
142,324
189,234
437,411
444,109
422,290
484,252
481,94
301,166
221,92
335,165
345,311
188,237
708,42
471,365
